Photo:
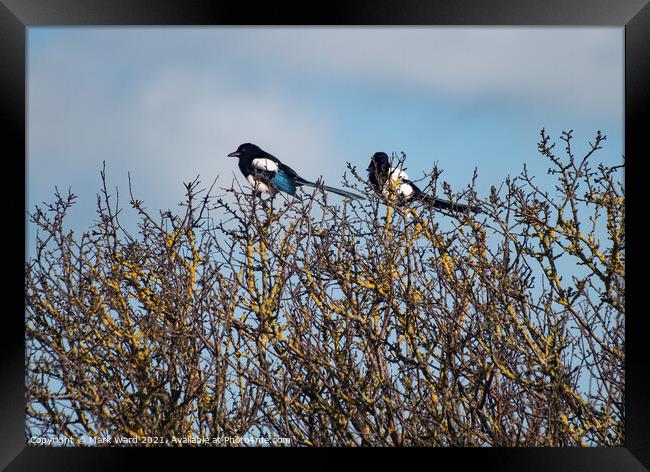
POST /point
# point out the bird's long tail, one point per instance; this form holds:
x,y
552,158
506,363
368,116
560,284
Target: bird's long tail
x,y
343,193
447,205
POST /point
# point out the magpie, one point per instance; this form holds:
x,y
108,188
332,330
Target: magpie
x,y
267,174
385,179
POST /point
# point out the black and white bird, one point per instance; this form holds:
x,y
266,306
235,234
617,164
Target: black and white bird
x,y
265,173
387,180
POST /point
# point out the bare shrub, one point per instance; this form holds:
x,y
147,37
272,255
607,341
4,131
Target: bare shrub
x,y
340,323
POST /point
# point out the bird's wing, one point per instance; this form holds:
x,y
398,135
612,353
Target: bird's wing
x,y
283,182
266,164
279,175
271,164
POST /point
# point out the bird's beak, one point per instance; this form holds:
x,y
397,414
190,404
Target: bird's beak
x,y
234,154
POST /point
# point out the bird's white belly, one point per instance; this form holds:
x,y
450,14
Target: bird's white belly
x,y
258,185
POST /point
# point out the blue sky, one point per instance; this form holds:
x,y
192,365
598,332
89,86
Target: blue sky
x,y
167,104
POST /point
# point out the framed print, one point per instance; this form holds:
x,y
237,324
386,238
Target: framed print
x,y
398,225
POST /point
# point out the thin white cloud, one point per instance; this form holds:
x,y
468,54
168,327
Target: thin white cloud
x,y
577,67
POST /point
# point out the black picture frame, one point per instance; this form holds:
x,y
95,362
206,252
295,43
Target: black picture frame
x,y
17,15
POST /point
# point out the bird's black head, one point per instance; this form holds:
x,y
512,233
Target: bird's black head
x,y
246,149
379,161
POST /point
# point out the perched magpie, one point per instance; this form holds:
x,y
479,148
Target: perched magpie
x,y
267,174
383,178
